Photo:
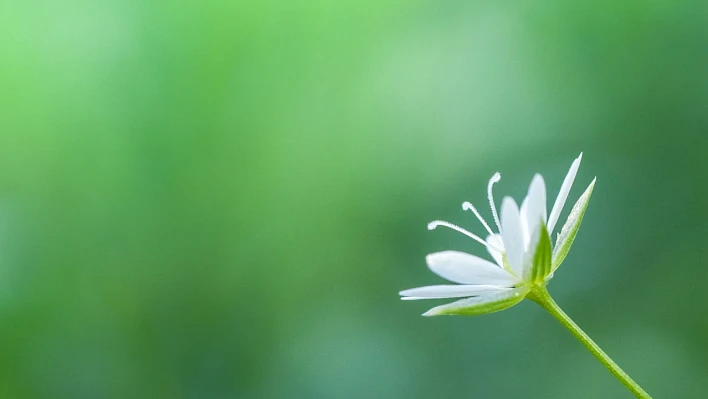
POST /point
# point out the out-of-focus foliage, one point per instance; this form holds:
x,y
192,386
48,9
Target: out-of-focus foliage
x,y
221,200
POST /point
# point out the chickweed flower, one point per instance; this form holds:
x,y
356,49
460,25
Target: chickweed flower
x,y
524,262
521,249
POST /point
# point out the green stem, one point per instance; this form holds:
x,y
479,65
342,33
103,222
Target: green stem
x,y
540,295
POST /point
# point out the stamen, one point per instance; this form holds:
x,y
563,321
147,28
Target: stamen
x,y
492,181
469,207
436,223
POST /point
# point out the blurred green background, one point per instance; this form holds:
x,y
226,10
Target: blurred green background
x,y
222,200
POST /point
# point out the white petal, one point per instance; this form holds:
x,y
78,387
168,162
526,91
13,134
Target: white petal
x,y
450,291
533,211
512,234
482,304
496,241
463,268
563,194
524,223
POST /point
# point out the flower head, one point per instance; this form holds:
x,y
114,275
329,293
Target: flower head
x,y
521,248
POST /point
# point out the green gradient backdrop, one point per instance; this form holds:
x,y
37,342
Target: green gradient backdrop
x,y
222,200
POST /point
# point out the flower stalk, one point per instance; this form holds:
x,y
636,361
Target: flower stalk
x,y
541,296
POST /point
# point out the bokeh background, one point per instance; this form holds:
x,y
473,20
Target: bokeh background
x,y
222,199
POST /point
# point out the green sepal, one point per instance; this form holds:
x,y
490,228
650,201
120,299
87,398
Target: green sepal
x,y
480,305
542,258
571,227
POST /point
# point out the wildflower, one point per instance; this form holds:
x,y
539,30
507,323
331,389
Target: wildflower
x,y
523,255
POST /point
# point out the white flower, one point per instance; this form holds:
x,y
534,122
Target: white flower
x,y
522,251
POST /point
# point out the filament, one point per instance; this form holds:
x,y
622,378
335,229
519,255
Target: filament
x,y
469,207
490,195
436,223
